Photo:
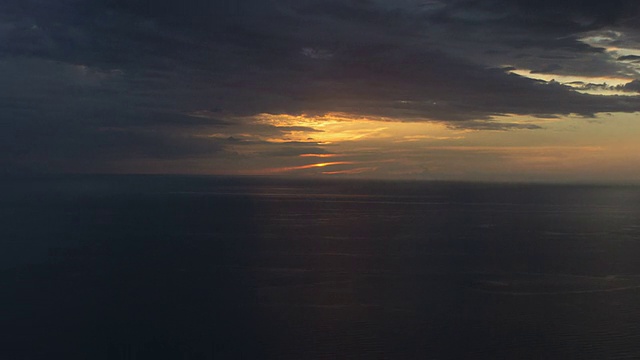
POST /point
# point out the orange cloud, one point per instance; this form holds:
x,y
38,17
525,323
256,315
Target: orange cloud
x,y
351,171
308,166
320,155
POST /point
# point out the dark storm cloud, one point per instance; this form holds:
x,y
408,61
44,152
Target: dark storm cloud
x,y
591,86
101,74
629,58
54,111
633,86
535,34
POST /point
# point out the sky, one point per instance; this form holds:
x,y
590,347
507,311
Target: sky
x,y
484,90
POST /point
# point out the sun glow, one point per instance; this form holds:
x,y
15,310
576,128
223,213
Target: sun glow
x,y
350,171
307,166
509,146
320,155
335,128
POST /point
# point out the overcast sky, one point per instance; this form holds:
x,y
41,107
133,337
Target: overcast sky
x,y
410,89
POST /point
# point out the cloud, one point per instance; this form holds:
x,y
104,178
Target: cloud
x,y
111,78
494,125
629,58
316,53
302,151
54,111
550,68
633,86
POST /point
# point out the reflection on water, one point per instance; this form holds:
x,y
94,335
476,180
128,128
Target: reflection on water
x,y
219,268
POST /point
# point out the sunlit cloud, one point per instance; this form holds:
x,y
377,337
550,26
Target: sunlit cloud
x,y
303,167
350,171
601,38
320,155
416,138
516,149
340,128
328,128
596,85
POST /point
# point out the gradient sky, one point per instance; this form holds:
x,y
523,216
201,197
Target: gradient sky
x,y
524,90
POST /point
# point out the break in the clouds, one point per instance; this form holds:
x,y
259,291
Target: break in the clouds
x,y
87,83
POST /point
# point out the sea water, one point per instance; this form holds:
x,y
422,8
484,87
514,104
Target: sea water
x,y
171,267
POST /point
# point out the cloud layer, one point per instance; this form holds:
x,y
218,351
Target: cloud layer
x,y
90,82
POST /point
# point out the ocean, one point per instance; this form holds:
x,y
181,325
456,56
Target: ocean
x,y
178,267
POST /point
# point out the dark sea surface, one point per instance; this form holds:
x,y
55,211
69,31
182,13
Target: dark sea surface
x,y
169,267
